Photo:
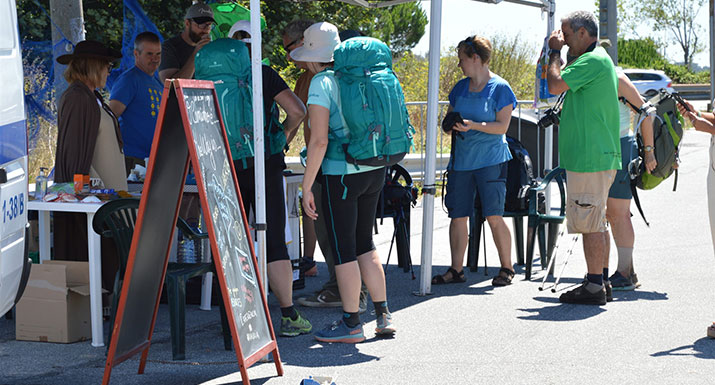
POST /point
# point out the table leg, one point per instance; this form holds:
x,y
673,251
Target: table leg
x,y
95,283
43,222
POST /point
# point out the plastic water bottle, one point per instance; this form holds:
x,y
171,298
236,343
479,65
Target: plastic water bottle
x,y
186,252
41,184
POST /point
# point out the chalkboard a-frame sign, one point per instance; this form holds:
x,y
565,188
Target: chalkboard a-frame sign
x,y
190,129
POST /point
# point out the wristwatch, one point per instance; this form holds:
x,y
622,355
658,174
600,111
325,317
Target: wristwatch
x,y
555,51
648,148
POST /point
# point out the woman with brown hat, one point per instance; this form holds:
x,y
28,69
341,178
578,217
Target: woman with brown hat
x,y
88,139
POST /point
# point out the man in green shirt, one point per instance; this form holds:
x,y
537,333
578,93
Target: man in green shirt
x,y
589,144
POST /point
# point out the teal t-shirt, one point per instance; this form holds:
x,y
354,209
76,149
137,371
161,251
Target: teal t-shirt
x,y
324,92
589,130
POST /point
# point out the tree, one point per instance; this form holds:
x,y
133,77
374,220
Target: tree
x,y
676,17
400,26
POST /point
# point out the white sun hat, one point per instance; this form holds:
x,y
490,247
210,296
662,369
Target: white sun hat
x,y
241,25
319,41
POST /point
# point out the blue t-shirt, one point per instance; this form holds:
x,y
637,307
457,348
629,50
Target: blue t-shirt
x,y
324,92
141,94
477,149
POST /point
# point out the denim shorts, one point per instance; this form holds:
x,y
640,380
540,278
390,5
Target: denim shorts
x,y
487,183
621,187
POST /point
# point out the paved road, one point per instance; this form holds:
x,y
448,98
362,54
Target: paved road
x,y
469,333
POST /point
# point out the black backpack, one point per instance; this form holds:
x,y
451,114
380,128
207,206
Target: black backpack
x,y
520,177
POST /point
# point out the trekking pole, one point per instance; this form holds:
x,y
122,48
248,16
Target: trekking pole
x,y
553,258
566,261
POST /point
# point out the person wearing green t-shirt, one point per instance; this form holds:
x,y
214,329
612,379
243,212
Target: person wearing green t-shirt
x,y
589,142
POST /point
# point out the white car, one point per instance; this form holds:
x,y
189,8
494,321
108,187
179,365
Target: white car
x,y
649,82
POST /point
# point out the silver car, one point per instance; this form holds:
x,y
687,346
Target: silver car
x,y
649,82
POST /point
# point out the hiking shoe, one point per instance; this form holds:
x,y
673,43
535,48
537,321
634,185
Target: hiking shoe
x,y
291,328
581,295
621,283
609,290
385,327
308,267
634,279
325,298
338,331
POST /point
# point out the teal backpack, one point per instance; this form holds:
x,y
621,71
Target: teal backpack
x,y
226,62
376,127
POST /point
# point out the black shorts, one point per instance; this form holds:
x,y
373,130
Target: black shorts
x,y
276,249
349,206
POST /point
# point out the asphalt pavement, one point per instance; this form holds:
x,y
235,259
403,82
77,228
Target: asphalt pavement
x,y
470,333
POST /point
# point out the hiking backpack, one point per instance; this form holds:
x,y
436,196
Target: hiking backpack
x,y
377,129
226,62
520,177
667,135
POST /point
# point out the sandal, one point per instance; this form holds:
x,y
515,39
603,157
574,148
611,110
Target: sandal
x,y
503,278
457,277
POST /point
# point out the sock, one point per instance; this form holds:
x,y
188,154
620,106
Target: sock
x,y
381,308
605,274
289,312
625,260
351,319
596,279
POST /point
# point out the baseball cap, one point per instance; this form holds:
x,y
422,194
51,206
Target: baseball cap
x,y
241,25
200,11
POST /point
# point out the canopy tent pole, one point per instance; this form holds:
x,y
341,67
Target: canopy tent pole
x,y
259,157
712,52
430,146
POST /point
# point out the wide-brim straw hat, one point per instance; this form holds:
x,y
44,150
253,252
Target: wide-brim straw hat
x,y
90,49
319,42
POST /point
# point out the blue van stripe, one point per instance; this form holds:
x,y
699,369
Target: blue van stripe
x,y
332,221
13,141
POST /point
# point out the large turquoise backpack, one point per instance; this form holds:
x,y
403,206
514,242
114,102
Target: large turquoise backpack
x,y
378,132
226,62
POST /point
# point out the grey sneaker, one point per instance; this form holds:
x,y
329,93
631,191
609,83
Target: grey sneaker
x,y
621,283
634,279
325,298
385,327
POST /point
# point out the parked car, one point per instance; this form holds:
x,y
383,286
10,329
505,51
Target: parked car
x,y
649,82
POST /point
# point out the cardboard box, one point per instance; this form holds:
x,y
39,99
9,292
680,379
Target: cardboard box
x,y
55,305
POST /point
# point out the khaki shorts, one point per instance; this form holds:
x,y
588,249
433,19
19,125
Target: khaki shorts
x,y
587,193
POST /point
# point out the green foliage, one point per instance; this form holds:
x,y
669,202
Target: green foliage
x,y
643,53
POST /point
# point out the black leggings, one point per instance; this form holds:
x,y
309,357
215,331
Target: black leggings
x,y
275,204
350,215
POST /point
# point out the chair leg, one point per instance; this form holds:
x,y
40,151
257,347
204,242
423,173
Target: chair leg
x,y
530,240
403,240
542,246
176,295
519,239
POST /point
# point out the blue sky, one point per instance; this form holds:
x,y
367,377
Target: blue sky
x,y
462,18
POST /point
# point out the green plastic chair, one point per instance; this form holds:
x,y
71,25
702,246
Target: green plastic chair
x,y
116,219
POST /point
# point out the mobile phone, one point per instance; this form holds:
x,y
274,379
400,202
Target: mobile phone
x,y
680,101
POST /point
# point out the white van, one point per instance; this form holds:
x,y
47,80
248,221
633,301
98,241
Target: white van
x,y
14,264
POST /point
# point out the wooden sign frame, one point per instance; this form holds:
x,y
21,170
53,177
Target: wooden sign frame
x,y
173,144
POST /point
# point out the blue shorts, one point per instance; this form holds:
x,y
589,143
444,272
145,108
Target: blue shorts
x,y
487,183
621,187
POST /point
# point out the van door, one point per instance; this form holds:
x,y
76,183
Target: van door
x,y
13,162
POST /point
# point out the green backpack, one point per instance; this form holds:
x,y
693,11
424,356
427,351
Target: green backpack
x,y
226,62
376,127
667,135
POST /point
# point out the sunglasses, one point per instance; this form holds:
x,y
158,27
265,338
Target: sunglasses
x,y
470,42
202,23
294,42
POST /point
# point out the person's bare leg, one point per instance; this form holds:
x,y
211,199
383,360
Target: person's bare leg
x,y
280,276
373,275
619,216
309,238
348,275
502,240
458,240
594,247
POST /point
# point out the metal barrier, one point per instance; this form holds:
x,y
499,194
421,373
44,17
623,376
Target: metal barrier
x,y
415,162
